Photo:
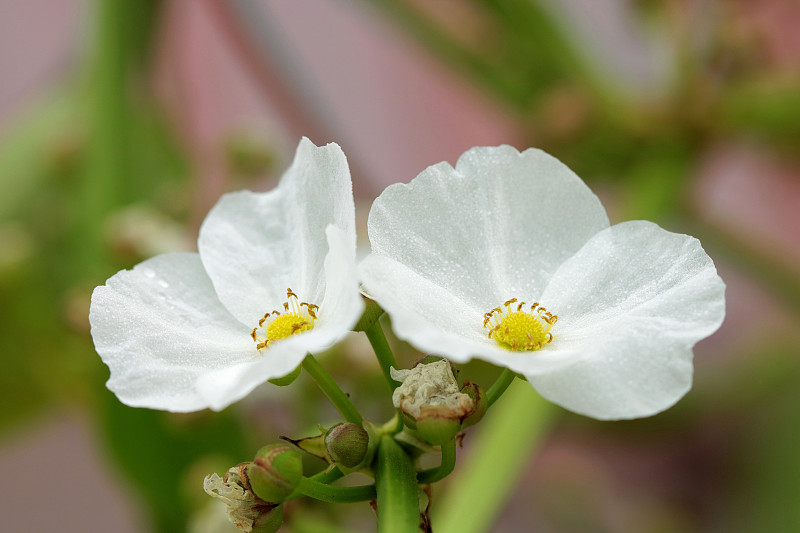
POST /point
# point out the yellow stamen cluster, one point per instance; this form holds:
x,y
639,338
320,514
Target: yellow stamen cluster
x,y
297,317
518,329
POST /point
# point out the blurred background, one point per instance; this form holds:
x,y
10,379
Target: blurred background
x,y
122,122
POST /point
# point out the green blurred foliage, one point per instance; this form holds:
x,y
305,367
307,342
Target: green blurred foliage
x,y
93,147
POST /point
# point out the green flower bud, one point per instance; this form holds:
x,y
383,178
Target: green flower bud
x,y
346,444
275,472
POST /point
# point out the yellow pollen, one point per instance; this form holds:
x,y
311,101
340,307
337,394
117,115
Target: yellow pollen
x,y
297,317
517,329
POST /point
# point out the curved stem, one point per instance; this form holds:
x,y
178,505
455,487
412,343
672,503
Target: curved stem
x,y
499,386
445,468
332,390
330,494
382,351
326,477
396,483
393,426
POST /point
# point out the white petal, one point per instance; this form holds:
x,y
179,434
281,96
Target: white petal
x,y
159,327
342,305
340,308
435,322
496,226
631,304
255,245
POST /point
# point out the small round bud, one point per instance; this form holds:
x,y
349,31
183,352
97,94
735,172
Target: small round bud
x,y
275,472
347,444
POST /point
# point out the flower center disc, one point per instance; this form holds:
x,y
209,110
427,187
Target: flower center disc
x,y
286,325
520,330
297,317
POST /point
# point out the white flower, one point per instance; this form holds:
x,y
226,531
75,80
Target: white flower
x,y
177,331
453,248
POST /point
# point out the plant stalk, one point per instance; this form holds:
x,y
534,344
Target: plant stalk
x,y
382,351
444,469
332,390
396,483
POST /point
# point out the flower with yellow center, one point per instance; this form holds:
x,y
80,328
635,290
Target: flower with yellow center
x,y
295,319
186,331
450,248
520,330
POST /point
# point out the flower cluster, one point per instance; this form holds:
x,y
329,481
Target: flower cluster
x,y
507,257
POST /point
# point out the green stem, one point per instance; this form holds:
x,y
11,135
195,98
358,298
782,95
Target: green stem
x,y
396,482
332,390
499,386
382,351
330,494
326,477
508,437
393,426
445,468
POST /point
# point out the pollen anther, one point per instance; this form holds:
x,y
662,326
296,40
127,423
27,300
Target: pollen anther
x,y
297,317
520,330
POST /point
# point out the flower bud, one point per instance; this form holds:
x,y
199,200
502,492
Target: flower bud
x,y
347,444
275,472
429,397
344,444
